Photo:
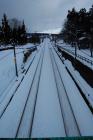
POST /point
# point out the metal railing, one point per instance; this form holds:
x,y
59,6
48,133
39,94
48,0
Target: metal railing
x,y
73,53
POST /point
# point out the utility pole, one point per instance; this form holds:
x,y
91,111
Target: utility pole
x,y
75,51
55,40
75,43
16,69
76,47
91,44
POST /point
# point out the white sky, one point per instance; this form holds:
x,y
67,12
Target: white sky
x,y
41,15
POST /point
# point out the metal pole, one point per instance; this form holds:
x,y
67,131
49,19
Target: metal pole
x,y
16,69
75,50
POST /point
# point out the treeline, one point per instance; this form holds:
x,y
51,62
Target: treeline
x,y
78,28
12,34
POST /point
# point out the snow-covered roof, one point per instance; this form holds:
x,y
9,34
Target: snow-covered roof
x,y
82,38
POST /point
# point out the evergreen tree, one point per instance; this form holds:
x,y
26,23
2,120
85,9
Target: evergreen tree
x,y
14,36
12,32
78,25
6,31
23,33
70,29
21,37
0,35
91,29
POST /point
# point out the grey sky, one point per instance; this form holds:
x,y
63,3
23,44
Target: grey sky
x,y
41,15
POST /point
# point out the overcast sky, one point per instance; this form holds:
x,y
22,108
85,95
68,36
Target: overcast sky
x,y
41,15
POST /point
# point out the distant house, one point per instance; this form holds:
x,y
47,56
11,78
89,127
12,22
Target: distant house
x,y
83,42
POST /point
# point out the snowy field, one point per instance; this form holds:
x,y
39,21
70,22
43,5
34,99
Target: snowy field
x,y
7,69
7,66
47,103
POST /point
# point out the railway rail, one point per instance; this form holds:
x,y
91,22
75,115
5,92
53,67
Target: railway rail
x,y
25,113
60,92
6,104
85,94
30,105
70,125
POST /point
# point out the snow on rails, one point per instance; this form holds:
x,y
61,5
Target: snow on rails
x,y
47,103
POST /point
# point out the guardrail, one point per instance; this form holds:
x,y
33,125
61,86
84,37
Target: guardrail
x,y
79,56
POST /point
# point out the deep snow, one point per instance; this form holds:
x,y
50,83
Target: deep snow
x,y
7,66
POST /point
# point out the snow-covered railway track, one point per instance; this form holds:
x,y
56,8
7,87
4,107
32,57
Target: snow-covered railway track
x,y
77,103
70,123
25,125
47,119
47,103
16,110
6,99
86,93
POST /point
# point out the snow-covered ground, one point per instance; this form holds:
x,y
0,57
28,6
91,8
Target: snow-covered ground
x,y
7,66
7,69
47,103
14,111
86,89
